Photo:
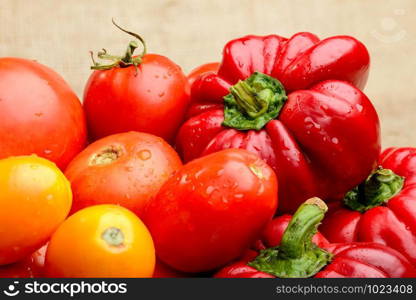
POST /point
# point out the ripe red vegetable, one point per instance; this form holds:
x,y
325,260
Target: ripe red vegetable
x,y
309,137
164,271
127,169
198,71
146,93
382,209
211,210
30,267
39,113
292,248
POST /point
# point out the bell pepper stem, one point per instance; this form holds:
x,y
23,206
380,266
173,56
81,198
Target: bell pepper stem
x,y
297,256
298,235
253,102
248,100
376,190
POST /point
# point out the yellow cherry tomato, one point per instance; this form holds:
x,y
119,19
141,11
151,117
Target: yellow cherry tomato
x,y
35,197
101,241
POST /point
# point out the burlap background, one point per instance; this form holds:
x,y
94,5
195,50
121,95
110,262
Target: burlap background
x,y
60,33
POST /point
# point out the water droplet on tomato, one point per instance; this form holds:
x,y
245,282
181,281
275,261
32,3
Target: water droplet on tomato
x,y
47,151
334,140
199,173
220,172
183,179
210,190
260,190
144,154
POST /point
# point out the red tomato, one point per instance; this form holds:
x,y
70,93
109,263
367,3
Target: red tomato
x,y
153,99
126,169
39,113
211,210
208,67
31,267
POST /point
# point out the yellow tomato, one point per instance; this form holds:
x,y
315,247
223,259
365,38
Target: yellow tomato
x,y
35,197
101,241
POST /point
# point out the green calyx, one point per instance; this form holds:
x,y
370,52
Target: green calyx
x,y
297,256
376,190
120,61
254,102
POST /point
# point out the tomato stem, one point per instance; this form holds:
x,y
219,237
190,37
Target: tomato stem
x,y
121,61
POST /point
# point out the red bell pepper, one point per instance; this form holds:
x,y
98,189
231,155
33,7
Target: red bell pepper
x,y
296,250
322,139
382,209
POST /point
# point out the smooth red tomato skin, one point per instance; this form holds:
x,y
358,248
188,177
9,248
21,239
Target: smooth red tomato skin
x,y
145,162
153,100
39,113
212,209
208,67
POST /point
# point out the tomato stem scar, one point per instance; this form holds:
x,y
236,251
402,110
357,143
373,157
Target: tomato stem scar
x,y
113,237
106,156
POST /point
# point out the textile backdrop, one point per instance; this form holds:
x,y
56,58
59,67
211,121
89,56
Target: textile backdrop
x,y
191,32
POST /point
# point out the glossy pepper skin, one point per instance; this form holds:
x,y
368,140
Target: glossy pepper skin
x,y
322,139
353,260
390,222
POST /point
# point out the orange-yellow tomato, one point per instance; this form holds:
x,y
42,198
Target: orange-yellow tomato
x,y
35,197
101,241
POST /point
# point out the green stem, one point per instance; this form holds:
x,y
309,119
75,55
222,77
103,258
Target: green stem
x,y
297,256
253,102
376,190
249,101
121,61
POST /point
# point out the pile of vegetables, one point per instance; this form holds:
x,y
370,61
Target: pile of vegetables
x,y
227,172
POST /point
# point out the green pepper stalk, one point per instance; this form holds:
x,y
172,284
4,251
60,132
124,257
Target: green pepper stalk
x,y
376,190
297,256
